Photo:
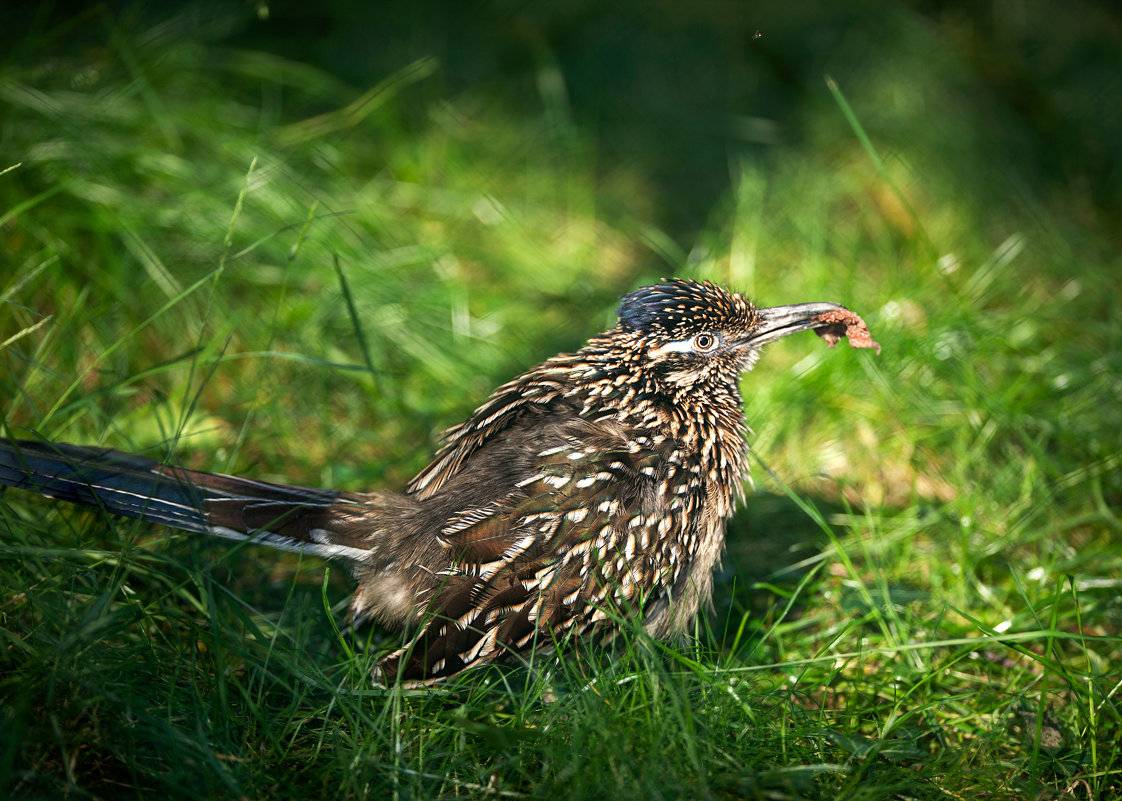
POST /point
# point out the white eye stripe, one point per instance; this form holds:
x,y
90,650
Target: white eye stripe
x,y
707,343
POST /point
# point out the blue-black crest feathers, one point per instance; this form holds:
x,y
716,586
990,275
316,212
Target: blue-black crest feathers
x,y
678,306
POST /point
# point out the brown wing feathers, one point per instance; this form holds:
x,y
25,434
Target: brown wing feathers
x,y
521,565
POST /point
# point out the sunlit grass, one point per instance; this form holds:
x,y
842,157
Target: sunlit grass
x,y
240,263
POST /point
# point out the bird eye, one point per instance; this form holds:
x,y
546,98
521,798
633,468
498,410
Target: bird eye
x,y
704,343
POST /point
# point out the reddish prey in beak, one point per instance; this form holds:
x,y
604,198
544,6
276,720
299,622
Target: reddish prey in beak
x,y
831,321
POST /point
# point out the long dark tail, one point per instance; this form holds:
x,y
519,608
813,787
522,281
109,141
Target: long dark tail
x,y
279,515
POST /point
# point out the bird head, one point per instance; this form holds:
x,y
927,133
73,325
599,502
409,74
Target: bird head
x,y
692,333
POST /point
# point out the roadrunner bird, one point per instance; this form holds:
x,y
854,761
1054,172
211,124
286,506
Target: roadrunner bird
x,y
597,483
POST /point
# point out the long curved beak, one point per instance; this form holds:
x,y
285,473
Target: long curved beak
x,y
777,322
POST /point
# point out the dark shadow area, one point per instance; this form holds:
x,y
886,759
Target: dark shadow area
x,y
772,544
680,93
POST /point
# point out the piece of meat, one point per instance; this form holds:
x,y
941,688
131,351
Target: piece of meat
x,y
844,323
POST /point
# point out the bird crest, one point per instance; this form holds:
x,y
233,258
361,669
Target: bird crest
x,y
678,307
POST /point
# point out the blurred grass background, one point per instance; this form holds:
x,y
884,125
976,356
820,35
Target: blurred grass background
x,y
298,242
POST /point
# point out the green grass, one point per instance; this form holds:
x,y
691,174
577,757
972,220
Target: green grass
x,y
219,254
